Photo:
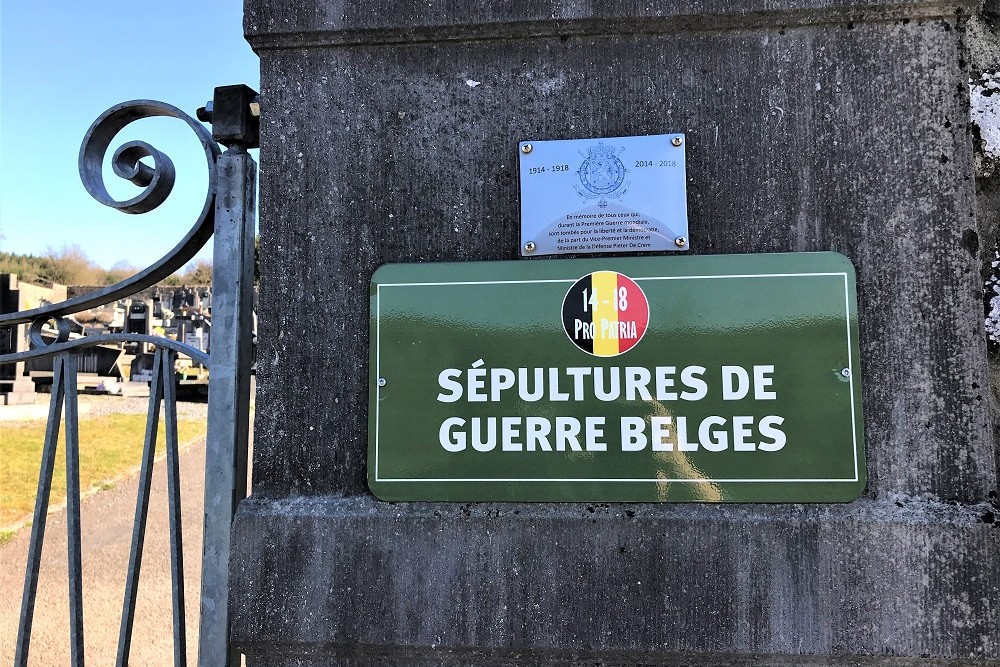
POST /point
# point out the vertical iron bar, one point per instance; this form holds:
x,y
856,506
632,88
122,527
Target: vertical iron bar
x,y
73,531
229,394
41,512
174,507
141,510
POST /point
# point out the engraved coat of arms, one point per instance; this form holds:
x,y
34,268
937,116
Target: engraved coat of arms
x,y
602,174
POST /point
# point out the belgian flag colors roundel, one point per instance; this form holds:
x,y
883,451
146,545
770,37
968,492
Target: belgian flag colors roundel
x,y
605,313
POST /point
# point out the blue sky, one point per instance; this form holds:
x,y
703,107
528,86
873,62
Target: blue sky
x,y
62,63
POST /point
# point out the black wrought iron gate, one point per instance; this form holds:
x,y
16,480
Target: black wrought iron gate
x,y
228,213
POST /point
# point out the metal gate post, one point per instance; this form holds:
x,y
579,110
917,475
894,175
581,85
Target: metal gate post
x,y
235,126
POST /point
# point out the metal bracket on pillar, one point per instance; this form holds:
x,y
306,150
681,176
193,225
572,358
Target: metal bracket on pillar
x,y
234,113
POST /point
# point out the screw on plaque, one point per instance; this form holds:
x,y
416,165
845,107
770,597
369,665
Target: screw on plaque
x,y
526,148
381,382
846,372
676,141
680,241
530,246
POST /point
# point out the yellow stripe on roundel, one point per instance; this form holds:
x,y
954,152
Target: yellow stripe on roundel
x,y
605,286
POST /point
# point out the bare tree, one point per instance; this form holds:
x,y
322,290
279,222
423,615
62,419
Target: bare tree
x,y
200,273
71,266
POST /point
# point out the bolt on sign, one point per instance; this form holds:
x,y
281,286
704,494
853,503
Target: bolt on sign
x,y
642,379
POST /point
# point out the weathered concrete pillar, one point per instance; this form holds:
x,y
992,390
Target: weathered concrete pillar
x,y
389,134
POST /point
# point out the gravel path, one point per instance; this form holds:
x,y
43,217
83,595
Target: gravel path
x,y
95,405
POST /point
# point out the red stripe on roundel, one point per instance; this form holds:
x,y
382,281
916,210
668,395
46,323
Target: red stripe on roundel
x,y
636,310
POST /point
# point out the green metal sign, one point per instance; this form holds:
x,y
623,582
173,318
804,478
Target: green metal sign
x,y
674,379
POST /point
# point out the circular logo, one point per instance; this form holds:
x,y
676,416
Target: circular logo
x,y
602,172
605,313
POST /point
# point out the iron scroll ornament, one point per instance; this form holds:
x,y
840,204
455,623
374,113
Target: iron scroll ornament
x,y
157,181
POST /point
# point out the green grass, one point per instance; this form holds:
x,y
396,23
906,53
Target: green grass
x,y
109,446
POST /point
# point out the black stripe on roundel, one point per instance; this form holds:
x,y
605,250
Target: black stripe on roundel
x,y
578,315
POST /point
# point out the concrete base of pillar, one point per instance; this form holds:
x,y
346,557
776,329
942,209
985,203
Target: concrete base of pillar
x,y
354,582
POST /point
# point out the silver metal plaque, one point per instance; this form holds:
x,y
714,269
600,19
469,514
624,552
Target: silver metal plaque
x,y
613,195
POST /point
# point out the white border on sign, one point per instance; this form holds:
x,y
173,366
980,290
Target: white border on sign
x,y
701,480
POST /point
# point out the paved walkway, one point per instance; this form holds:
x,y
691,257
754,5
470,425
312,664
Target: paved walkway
x,y
107,519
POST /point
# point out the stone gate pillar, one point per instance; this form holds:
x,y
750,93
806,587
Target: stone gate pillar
x,y
389,134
